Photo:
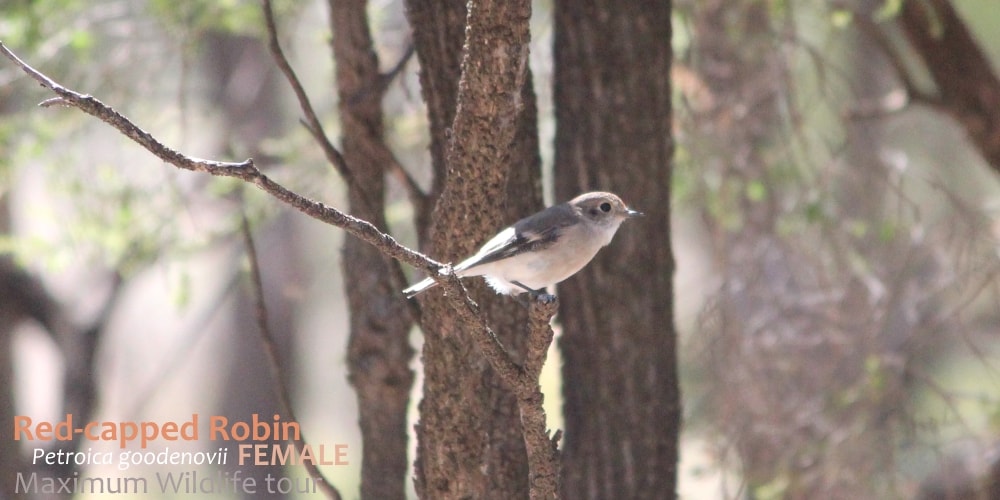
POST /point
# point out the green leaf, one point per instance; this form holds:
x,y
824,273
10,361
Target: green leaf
x,y
814,212
887,231
889,10
841,18
756,190
81,41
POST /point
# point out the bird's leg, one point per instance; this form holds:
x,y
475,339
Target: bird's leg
x,y
539,295
532,291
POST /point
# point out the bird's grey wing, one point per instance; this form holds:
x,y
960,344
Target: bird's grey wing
x,y
526,235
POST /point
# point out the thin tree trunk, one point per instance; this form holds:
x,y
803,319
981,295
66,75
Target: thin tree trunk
x,y
622,401
379,352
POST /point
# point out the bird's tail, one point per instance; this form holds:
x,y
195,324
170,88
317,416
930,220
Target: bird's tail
x,y
418,287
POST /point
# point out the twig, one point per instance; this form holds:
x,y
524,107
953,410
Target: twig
x,y
271,350
245,170
391,75
311,121
414,192
383,81
416,195
521,380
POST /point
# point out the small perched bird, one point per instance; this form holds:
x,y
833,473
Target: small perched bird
x,y
545,248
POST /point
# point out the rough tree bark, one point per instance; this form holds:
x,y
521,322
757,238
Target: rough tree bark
x,y
438,38
622,402
484,145
379,351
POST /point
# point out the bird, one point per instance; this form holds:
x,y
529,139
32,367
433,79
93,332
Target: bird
x,y
544,248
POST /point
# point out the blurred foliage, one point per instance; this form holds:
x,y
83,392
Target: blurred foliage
x,y
849,257
241,17
30,23
119,218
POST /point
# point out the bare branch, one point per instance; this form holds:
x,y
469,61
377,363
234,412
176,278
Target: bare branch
x,y
416,195
245,170
965,83
315,126
312,123
522,380
96,108
311,120
271,350
384,80
391,75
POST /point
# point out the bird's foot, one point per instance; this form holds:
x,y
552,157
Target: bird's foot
x,y
538,295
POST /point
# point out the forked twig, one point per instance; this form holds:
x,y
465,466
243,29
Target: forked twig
x,y
311,120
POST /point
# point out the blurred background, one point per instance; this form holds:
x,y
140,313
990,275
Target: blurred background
x,y
836,237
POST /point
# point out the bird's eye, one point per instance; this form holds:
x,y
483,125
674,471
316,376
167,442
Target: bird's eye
x,y
605,207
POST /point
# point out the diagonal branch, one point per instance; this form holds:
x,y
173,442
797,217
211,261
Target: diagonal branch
x,y
381,84
245,170
312,121
333,155
522,380
248,172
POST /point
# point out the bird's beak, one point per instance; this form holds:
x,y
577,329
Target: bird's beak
x,y
633,213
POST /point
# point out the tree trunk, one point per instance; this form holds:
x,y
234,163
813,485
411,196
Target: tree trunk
x,y
484,147
622,401
379,351
438,38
